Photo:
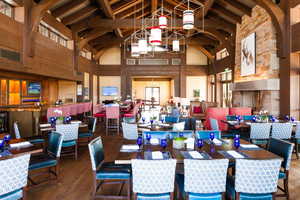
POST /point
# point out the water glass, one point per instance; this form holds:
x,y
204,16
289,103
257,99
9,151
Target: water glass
x,y
148,137
2,142
139,141
151,121
212,136
287,118
163,143
200,143
237,141
143,119
292,119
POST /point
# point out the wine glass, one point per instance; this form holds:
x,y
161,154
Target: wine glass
x,y
2,142
181,134
148,137
163,143
151,121
139,141
254,118
287,118
143,119
236,141
162,120
212,136
292,119
200,143
7,138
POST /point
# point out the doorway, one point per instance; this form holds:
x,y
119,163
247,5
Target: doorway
x,y
153,93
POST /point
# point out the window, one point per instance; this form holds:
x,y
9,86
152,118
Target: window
x,y
222,54
86,54
226,79
6,8
51,33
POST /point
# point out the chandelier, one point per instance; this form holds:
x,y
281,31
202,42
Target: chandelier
x,y
161,32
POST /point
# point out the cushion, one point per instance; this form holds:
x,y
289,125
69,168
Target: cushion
x,y
69,143
165,196
85,135
17,194
99,115
128,115
113,171
37,141
197,109
298,140
41,161
262,142
282,175
196,196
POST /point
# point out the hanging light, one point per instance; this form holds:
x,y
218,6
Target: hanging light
x,y
175,45
155,36
188,19
135,51
143,46
162,21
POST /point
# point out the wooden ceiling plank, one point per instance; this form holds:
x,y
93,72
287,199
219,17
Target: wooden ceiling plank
x,y
60,27
221,11
154,5
69,7
130,12
105,5
126,7
241,7
92,35
85,12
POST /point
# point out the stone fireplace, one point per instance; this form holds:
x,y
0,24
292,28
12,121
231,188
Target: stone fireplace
x,y
258,94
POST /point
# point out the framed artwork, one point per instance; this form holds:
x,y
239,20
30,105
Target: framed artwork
x,y
248,55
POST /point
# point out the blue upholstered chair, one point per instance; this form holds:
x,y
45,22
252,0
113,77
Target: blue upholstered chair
x,y
156,134
13,177
282,130
92,121
106,172
153,179
230,118
205,134
178,126
214,124
201,182
297,140
130,131
186,134
32,140
283,149
171,119
70,133
254,179
49,159
260,133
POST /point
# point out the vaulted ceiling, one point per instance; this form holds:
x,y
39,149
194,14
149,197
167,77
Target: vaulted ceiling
x,y
102,23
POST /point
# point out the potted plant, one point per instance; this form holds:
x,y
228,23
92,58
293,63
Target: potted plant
x,y
178,142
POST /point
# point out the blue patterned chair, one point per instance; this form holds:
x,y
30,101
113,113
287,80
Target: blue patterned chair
x,y
260,133
254,179
186,134
153,179
32,140
130,131
205,134
47,160
156,134
283,149
282,130
13,177
106,173
297,140
70,133
92,121
171,119
201,182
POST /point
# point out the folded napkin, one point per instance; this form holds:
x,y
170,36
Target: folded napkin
x,y
195,155
232,122
157,155
44,125
235,154
217,141
154,141
75,122
20,145
250,146
130,147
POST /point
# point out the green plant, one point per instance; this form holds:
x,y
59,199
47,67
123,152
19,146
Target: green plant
x,y
196,92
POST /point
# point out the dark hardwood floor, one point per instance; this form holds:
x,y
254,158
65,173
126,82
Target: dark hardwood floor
x,y
75,179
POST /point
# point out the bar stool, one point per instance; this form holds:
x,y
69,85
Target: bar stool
x,y
112,115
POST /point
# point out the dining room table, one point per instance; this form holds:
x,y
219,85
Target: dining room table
x,y
210,150
15,147
155,126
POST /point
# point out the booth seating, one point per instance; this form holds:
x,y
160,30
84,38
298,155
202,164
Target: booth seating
x,y
198,108
240,111
132,114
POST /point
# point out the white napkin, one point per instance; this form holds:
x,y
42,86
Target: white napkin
x,y
130,147
190,143
157,155
154,141
195,155
217,141
235,154
232,122
248,123
44,125
75,122
249,146
20,145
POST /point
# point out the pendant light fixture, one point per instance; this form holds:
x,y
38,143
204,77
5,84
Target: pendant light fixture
x,y
162,19
155,36
188,19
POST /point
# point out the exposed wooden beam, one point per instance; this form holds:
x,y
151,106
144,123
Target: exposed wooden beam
x,y
99,54
126,6
68,8
207,5
209,55
83,13
51,21
91,35
221,11
220,23
130,12
236,4
111,2
153,5
105,5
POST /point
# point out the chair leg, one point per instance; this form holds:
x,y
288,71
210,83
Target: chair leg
x,y
286,187
237,196
129,190
297,150
106,126
76,151
24,193
118,125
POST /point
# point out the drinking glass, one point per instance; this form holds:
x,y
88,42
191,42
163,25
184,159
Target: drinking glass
x,y
139,141
163,143
148,137
200,143
236,141
212,136
143,119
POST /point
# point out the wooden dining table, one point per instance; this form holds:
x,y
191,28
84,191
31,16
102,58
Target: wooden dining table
x,y
33,149
214,151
